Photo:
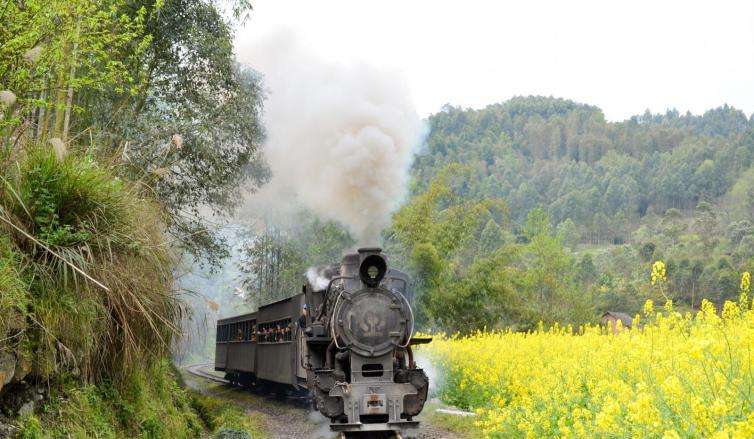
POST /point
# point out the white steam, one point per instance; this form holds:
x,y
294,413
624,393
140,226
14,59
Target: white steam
x,y
433,371
323,426
318,278
340,138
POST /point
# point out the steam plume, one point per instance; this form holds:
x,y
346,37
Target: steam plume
x,y
340,138
319,277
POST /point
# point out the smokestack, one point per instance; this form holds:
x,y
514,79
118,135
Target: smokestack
x,y
340,138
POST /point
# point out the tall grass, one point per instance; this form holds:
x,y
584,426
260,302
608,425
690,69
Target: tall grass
x,y
89,255
13,297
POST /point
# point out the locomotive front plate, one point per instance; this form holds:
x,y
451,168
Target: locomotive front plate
x,y
372,321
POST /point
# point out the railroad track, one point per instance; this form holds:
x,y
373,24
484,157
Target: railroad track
x,y
197,370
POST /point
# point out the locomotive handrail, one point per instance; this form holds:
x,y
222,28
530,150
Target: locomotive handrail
x,y
332,321
410,332
327,294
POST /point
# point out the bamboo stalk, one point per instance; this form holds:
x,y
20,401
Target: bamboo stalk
x,y
71,77
41,113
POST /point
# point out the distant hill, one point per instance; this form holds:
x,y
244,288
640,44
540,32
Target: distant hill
x,y
538,208
604,176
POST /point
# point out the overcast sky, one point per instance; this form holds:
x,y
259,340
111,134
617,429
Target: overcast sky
x,y
622,55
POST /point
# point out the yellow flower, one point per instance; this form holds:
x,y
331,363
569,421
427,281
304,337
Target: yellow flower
x,y
743,299
678,376
745,281
658,272
649,307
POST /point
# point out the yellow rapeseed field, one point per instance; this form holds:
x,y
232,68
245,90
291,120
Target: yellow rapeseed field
x,y
678,376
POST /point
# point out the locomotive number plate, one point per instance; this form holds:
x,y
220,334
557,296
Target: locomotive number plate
x,y
374,404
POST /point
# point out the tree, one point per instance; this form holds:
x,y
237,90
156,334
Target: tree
x,y
442,232
54,50
673,183
274,267
586,272
547,277
275,260
150,84
568,233
706,223
491,237
483,297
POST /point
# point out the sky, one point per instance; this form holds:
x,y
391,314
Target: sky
x,y
623,56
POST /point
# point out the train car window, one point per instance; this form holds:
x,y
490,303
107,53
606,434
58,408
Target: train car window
x,y
278,331
287,331
222,333
249,330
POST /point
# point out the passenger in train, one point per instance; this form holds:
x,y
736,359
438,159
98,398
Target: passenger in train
x,y
302,317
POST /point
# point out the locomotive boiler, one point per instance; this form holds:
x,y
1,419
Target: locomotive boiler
x,y
346,339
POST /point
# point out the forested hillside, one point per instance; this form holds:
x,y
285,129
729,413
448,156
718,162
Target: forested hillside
x,y
606,177
538,208
119,122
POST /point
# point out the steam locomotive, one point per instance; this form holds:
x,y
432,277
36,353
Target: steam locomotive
x,y
345,340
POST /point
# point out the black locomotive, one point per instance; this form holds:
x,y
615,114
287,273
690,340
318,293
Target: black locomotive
x,y
346,339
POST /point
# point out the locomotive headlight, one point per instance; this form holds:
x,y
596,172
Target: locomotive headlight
x,y
372,270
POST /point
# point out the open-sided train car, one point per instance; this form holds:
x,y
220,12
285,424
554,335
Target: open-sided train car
x,y
261,348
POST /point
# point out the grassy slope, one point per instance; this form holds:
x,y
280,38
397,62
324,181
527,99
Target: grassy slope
x,y
151,404
88,302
